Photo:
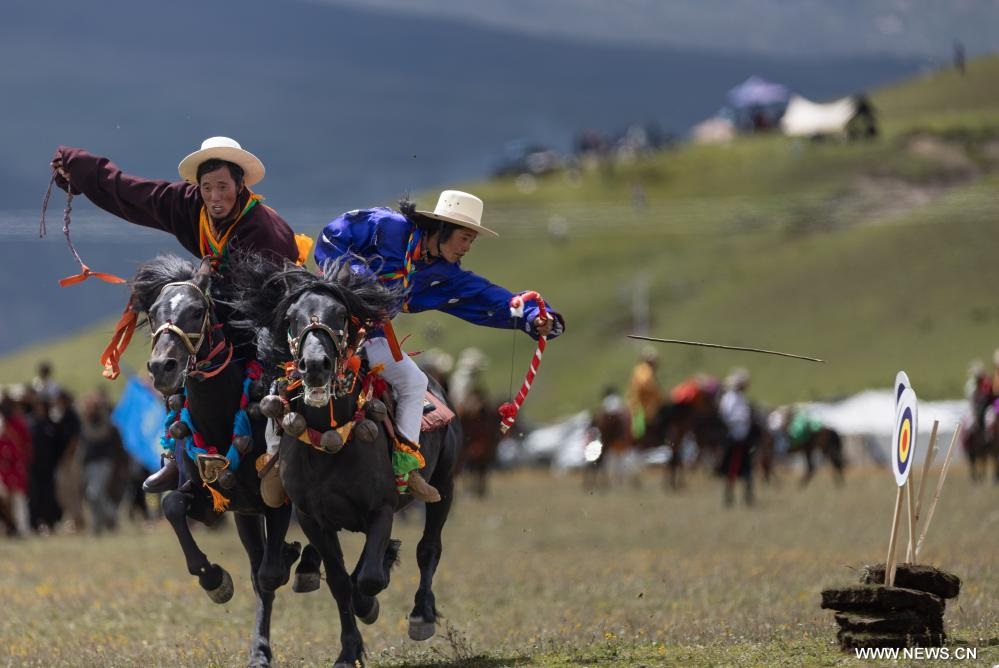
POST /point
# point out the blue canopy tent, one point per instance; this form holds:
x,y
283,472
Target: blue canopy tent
x,y
757,104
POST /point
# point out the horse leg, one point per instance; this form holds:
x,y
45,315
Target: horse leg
x,y
338,581
307,573
214,579
372,577
809,465
278,557
251,534
836,457
366,607
480,480
423,618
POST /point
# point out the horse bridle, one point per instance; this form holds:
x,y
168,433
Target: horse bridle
x,y
338,336
192,340
321,396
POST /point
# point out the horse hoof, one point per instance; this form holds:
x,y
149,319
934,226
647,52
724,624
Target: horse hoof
x,y
372,615
260,658
421,630
223,593
305,582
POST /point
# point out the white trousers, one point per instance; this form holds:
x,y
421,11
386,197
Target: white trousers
x,y
409,385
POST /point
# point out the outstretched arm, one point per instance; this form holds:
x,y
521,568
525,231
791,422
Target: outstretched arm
x,y
475,299
151,203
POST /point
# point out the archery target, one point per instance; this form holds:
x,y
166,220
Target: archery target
x,y
904,439
901,382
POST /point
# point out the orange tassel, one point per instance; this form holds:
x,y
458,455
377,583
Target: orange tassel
x,y
219,502
119,342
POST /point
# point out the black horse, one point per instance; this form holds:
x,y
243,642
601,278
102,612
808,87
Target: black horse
x,y
335,466
191,353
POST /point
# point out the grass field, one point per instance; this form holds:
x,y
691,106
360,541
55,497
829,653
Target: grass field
x,y
540,575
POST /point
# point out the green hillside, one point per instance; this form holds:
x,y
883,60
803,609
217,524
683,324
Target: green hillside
x,y
874,256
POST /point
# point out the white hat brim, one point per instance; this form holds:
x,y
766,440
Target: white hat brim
x,y
467,224
253,168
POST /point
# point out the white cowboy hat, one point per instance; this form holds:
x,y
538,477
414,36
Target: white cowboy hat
x,y
461,209
226,149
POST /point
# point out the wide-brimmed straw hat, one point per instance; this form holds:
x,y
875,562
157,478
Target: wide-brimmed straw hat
x,y
222,148
461,209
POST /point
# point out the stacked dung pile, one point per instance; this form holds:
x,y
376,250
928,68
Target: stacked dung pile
x,y
909,614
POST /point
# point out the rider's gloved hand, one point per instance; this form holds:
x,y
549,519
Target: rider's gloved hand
x,y
60,171
544,325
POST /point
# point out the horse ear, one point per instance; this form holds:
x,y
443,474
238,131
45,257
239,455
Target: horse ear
x,y
203,276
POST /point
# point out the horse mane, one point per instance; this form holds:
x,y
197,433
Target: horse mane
x,y
263,294
156,273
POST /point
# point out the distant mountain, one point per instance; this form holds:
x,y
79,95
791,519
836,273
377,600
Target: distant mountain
x,y
924,28
346,107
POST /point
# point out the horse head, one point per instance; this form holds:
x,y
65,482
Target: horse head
x,y
319,339
315,321
174,294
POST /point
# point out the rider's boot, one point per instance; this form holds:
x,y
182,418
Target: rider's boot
x,y
421,490
271,487
163,480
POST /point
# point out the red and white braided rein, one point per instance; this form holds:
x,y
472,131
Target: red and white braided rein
x,y
509,410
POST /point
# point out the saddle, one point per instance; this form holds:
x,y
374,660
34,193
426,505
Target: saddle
x,y
436,414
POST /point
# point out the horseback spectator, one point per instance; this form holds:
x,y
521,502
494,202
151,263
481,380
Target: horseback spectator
x,y
101,450
645,395
617,455
978,388
212,212
421,252
737,415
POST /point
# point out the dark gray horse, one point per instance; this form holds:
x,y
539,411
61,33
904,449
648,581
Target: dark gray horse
x,y
191,354
335,466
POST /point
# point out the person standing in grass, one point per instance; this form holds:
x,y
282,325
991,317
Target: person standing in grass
x,y
737,414
645,395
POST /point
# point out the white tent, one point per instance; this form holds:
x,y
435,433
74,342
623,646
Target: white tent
x,y
804,118
716,130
